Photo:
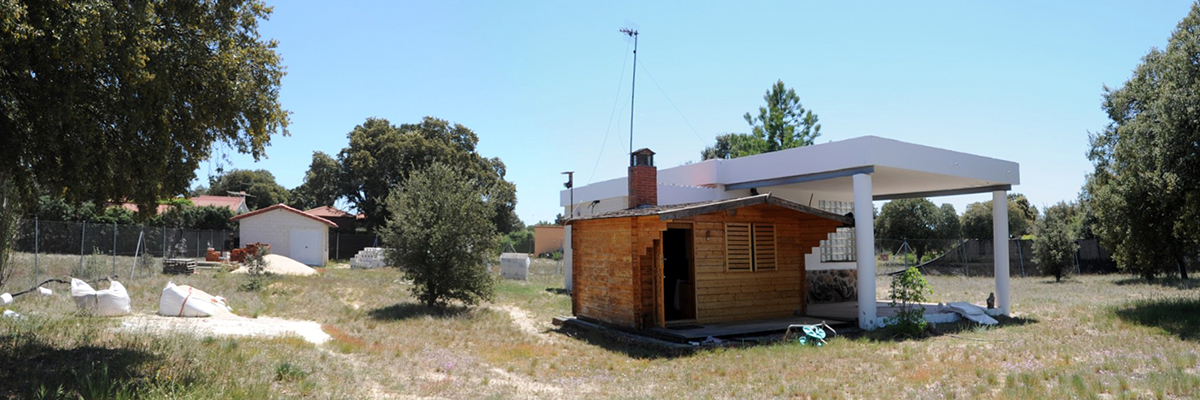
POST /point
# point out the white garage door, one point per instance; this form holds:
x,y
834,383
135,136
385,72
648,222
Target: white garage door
x,y
306,246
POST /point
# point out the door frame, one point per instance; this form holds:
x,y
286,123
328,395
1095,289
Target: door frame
x,y
660,273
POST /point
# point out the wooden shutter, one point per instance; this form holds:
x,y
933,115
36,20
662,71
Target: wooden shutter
x,y
738,247
764,247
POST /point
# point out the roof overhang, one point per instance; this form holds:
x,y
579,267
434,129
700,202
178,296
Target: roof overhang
x,y
897,169
678,211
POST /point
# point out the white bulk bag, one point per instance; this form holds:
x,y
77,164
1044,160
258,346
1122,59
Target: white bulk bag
x,y
186,301
105,303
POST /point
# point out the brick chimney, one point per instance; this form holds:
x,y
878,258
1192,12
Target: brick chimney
x,y
643,179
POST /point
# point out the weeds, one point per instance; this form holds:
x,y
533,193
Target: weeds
x,y
287,372
1084,342
909,289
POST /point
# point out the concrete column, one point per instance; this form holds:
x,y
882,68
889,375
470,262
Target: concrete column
x,y
568,258
1000,248
864,250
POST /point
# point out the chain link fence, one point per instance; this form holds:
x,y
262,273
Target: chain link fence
x,y
975,257
105,249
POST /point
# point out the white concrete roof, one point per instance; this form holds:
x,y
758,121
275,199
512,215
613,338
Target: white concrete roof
x,y
898,170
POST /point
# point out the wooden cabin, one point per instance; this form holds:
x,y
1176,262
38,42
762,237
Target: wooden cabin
x,y
718,261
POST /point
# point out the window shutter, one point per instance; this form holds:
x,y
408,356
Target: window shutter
x,y
737,247
764,247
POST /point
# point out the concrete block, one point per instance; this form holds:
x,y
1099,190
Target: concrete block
x,y
514,266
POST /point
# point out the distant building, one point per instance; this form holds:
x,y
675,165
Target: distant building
x,y
346,222
237,204
290,232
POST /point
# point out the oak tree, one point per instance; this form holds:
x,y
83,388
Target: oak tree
x,y
1145,190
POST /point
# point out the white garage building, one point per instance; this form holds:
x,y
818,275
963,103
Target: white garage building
x,y
290,232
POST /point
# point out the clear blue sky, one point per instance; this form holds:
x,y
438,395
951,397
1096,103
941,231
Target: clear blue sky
x,y
543,84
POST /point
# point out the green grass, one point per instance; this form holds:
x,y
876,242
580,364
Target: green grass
x,y
1089,337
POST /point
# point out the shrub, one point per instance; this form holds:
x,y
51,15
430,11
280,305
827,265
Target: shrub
x,y
909,289
1056,241
256,264
440,232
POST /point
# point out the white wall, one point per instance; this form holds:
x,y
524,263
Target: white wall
x,y
275,227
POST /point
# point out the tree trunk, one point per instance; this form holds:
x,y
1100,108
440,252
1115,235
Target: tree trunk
x,y
1182,267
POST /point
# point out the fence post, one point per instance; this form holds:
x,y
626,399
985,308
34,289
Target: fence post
x,y
37,230
114,251
962,250
82,235
1021,256
136,252
164,242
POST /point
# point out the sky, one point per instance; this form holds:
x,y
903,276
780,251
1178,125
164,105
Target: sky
x,y
546,85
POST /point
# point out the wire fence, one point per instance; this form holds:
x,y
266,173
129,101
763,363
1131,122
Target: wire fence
x,y
103,249
83,238
976,257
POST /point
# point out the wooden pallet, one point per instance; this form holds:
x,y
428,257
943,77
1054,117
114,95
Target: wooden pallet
x,y
179,266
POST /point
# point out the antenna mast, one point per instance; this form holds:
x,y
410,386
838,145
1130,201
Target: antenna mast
x,y
634,34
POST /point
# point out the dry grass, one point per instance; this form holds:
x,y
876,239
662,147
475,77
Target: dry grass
x,y
1093,336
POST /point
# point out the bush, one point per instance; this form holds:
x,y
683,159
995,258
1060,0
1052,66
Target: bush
x,y
440,232
909,289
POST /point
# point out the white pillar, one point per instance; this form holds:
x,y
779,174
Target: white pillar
x,y
1000,248
864,250
568,259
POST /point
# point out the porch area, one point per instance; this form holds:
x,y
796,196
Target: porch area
x,y
847,311
685,332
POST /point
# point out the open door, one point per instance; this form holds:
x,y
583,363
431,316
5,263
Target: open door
x,y
679,274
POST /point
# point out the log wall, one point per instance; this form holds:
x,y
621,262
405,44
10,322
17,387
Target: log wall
x,y
609,285
723,295
614,272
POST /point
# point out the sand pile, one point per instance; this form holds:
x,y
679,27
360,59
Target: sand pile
x,y
277,264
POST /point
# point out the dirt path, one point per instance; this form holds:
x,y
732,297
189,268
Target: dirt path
x,y
526,323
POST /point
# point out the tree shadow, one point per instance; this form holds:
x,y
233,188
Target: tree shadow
x,y
628,344
403,311
1064,281
1173,282
887,334
558,291
1179,317
35,370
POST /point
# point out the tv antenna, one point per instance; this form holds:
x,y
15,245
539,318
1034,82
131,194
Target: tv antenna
x,y
633,33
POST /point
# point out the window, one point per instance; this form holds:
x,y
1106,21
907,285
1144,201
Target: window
x,y
750,247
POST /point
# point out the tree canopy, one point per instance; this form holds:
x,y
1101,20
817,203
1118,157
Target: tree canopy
x,y
121,101
259,184
110,101
382,156
322,183
977,219
1145,190
782,124
925,226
